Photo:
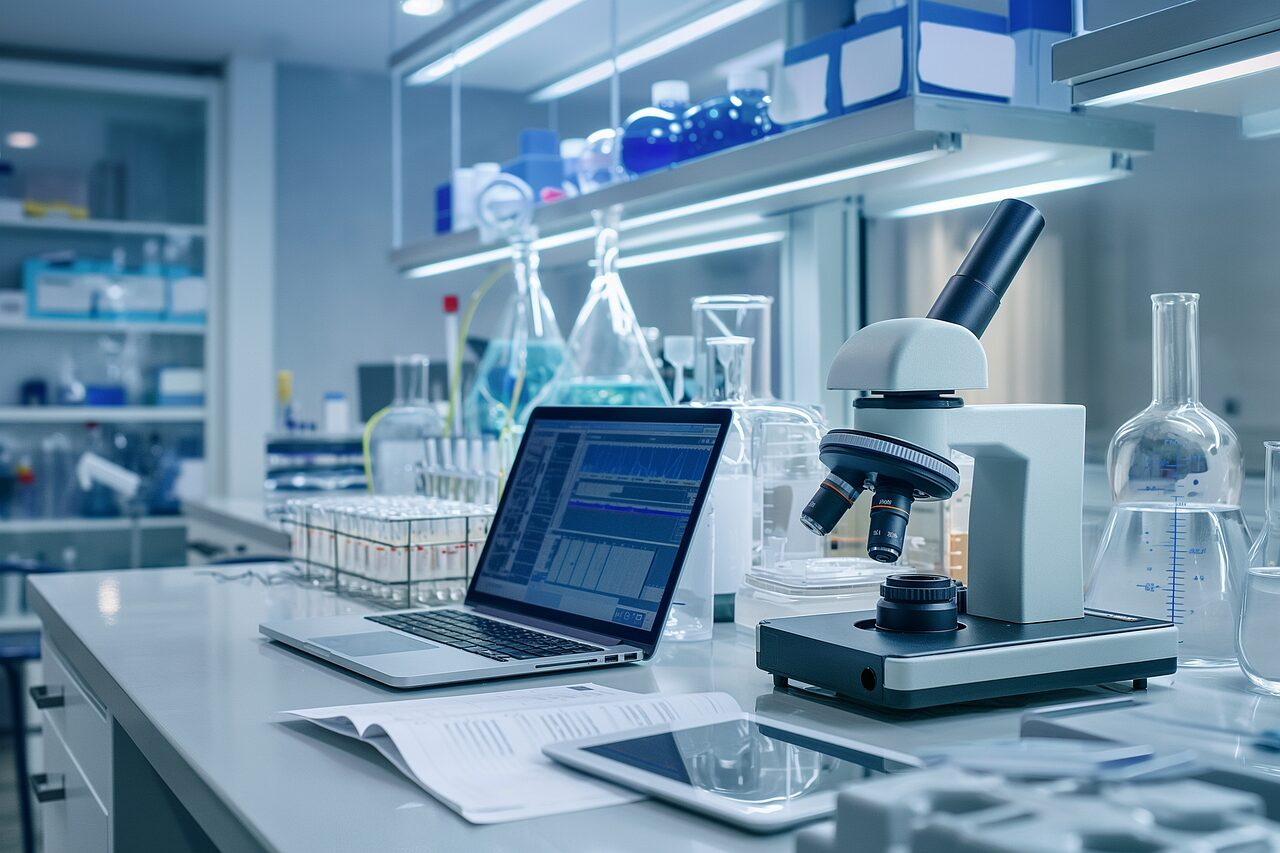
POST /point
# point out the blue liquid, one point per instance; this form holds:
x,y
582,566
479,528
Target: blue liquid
x,y
652,138
490,397
727,120
620,391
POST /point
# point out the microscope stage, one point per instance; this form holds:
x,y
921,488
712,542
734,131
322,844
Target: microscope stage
x,y
986,658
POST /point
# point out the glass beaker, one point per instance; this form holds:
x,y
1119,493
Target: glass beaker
x,y
785,441
741,315
1260,606
1176,545
692,611
522,359
398,440
735,490
607,360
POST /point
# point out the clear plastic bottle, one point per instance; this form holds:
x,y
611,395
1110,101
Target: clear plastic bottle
x,y
741,115
608,361
600,163
398,440
653,137
734,491
522,359
1176,545
1256,644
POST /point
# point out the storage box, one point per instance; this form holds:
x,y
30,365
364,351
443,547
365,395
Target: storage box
x,y
873,61
180,386
807,88
188,297
444,208
1036,25
57,289
132,296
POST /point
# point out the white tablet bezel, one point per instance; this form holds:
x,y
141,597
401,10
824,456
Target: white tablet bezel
x,y
573,754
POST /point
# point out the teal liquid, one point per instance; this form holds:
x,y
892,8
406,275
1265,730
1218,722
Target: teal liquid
x,y
490,397
619,391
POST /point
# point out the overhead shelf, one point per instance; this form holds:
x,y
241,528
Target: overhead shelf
x,y
1216,56
100,414
43,324
104,226
899,157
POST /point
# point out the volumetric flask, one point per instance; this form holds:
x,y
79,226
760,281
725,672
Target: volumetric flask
x,y
1176,546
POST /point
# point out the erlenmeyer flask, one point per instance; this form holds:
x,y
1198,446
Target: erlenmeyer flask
x,y
1260,607
523,358
1175,546
607,361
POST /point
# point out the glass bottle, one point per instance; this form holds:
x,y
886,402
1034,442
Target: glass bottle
x,y
1256,644
398,440
608,361
734,491
522,359
738,116
652,137
1176,545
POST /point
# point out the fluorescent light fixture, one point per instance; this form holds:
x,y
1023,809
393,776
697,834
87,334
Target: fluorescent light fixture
x,y
422,8
698,249
577,235
1242,68
652,49
22,139
512,28
975,199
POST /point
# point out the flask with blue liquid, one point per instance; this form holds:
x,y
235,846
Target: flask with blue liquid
x,y
651,138
741,115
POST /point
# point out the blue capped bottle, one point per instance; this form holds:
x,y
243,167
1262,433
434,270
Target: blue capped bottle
x,y
651,138
741,115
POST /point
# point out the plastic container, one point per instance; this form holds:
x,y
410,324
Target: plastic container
x,y
1176,545
785,438
737,117
607,359
398,439
652,138
808,586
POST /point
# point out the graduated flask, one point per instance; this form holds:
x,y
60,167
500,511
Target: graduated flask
x,y
1176,546
1260,611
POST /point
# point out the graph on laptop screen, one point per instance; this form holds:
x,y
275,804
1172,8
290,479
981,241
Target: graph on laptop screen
x,y
594,516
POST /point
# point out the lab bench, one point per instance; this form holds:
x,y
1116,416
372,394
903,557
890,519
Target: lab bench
x,y
168,735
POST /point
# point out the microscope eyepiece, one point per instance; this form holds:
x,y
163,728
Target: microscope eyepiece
x,y
828,505
890,512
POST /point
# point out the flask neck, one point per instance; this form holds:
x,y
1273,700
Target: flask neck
x,y
1273,485
1175,355
524,263
411,380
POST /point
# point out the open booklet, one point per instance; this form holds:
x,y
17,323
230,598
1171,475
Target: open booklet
x,y
481,755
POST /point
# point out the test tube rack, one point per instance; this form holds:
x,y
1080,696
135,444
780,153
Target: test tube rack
x,y
399,551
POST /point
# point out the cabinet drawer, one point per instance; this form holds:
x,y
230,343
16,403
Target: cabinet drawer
x,y
76,821
80,719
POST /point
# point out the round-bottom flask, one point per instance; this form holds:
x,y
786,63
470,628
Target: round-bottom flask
x,y
1176,545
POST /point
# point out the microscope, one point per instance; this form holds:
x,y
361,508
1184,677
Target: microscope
x,y
1020,625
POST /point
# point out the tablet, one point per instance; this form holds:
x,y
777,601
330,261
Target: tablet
x,y
755,773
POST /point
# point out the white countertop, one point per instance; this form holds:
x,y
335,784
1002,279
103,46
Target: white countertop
x,y
244,516
176,656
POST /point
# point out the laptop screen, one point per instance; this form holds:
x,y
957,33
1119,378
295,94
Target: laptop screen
x,y
596,516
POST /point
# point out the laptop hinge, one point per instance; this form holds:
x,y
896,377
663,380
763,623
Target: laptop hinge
x,y
553,627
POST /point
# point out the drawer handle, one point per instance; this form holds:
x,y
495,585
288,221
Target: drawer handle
x,y
48,787
47,697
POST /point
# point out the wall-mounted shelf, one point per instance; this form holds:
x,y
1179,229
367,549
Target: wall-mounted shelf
x,y
88,525
1217,56
40,324
105,226
910,152
100,414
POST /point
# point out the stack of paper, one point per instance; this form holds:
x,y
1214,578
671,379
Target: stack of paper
x,y
481,755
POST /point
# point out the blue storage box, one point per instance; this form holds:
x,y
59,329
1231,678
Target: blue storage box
x,y
1036,26
444,208
1052,15
808,85
873,61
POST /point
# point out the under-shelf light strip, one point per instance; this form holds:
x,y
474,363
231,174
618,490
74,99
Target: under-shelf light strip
x,y
708,206
712,247
514,27
654,48
1243,68
975,199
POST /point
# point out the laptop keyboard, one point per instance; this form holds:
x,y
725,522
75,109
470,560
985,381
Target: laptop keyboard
x,y
490,638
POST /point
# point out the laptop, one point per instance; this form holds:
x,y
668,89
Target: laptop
x,y
580,565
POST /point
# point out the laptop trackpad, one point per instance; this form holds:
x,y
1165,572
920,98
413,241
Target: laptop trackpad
x,y
371,643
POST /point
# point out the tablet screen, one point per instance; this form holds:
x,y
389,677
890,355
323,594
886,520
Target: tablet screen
x,y
748,761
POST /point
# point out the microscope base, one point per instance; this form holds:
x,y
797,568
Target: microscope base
x,y
845,654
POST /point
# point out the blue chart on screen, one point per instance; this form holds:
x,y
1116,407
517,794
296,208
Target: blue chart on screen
x,y
604,508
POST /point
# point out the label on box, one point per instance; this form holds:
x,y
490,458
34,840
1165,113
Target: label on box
x,y
801,91
66,293
966,60
872,67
